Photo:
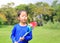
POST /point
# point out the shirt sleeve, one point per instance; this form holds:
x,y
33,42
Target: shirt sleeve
x,y
29,36
13,34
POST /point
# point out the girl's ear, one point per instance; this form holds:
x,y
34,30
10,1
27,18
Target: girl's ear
x,y
18,18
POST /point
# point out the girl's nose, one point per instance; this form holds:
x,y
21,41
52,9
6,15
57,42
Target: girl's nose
x,y
24,16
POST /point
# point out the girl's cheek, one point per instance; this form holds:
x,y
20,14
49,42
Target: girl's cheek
x,y
26,18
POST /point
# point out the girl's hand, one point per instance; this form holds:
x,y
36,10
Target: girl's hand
x,y
16,42
21,38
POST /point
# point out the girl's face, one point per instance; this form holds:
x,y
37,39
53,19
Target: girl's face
x,y
23,17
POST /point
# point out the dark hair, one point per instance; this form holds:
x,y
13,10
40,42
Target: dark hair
x,y
19,12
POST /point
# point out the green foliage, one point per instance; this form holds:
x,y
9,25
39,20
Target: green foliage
x,y
49,25
2,19
21,7
34,10
56,7
10,13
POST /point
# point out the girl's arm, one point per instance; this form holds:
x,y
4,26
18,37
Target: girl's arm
x,y
29,36
13,34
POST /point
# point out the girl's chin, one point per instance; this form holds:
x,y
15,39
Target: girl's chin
x,y
24,22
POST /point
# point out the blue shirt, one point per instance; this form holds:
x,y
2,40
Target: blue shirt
x,y
18,31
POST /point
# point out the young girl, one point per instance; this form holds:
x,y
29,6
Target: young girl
x,y
20,29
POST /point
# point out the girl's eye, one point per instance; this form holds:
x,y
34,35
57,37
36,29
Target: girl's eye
x,y
24,16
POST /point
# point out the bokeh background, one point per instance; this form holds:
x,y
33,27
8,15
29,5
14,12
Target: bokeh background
x,y
45,12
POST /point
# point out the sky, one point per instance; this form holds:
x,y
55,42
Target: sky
x,y
17,2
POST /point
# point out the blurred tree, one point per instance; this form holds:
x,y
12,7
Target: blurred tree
x,y
21,7
9,12
35,11
2,18
31,8
56,7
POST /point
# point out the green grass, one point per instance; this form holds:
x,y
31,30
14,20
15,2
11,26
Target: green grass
x,y
49,33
